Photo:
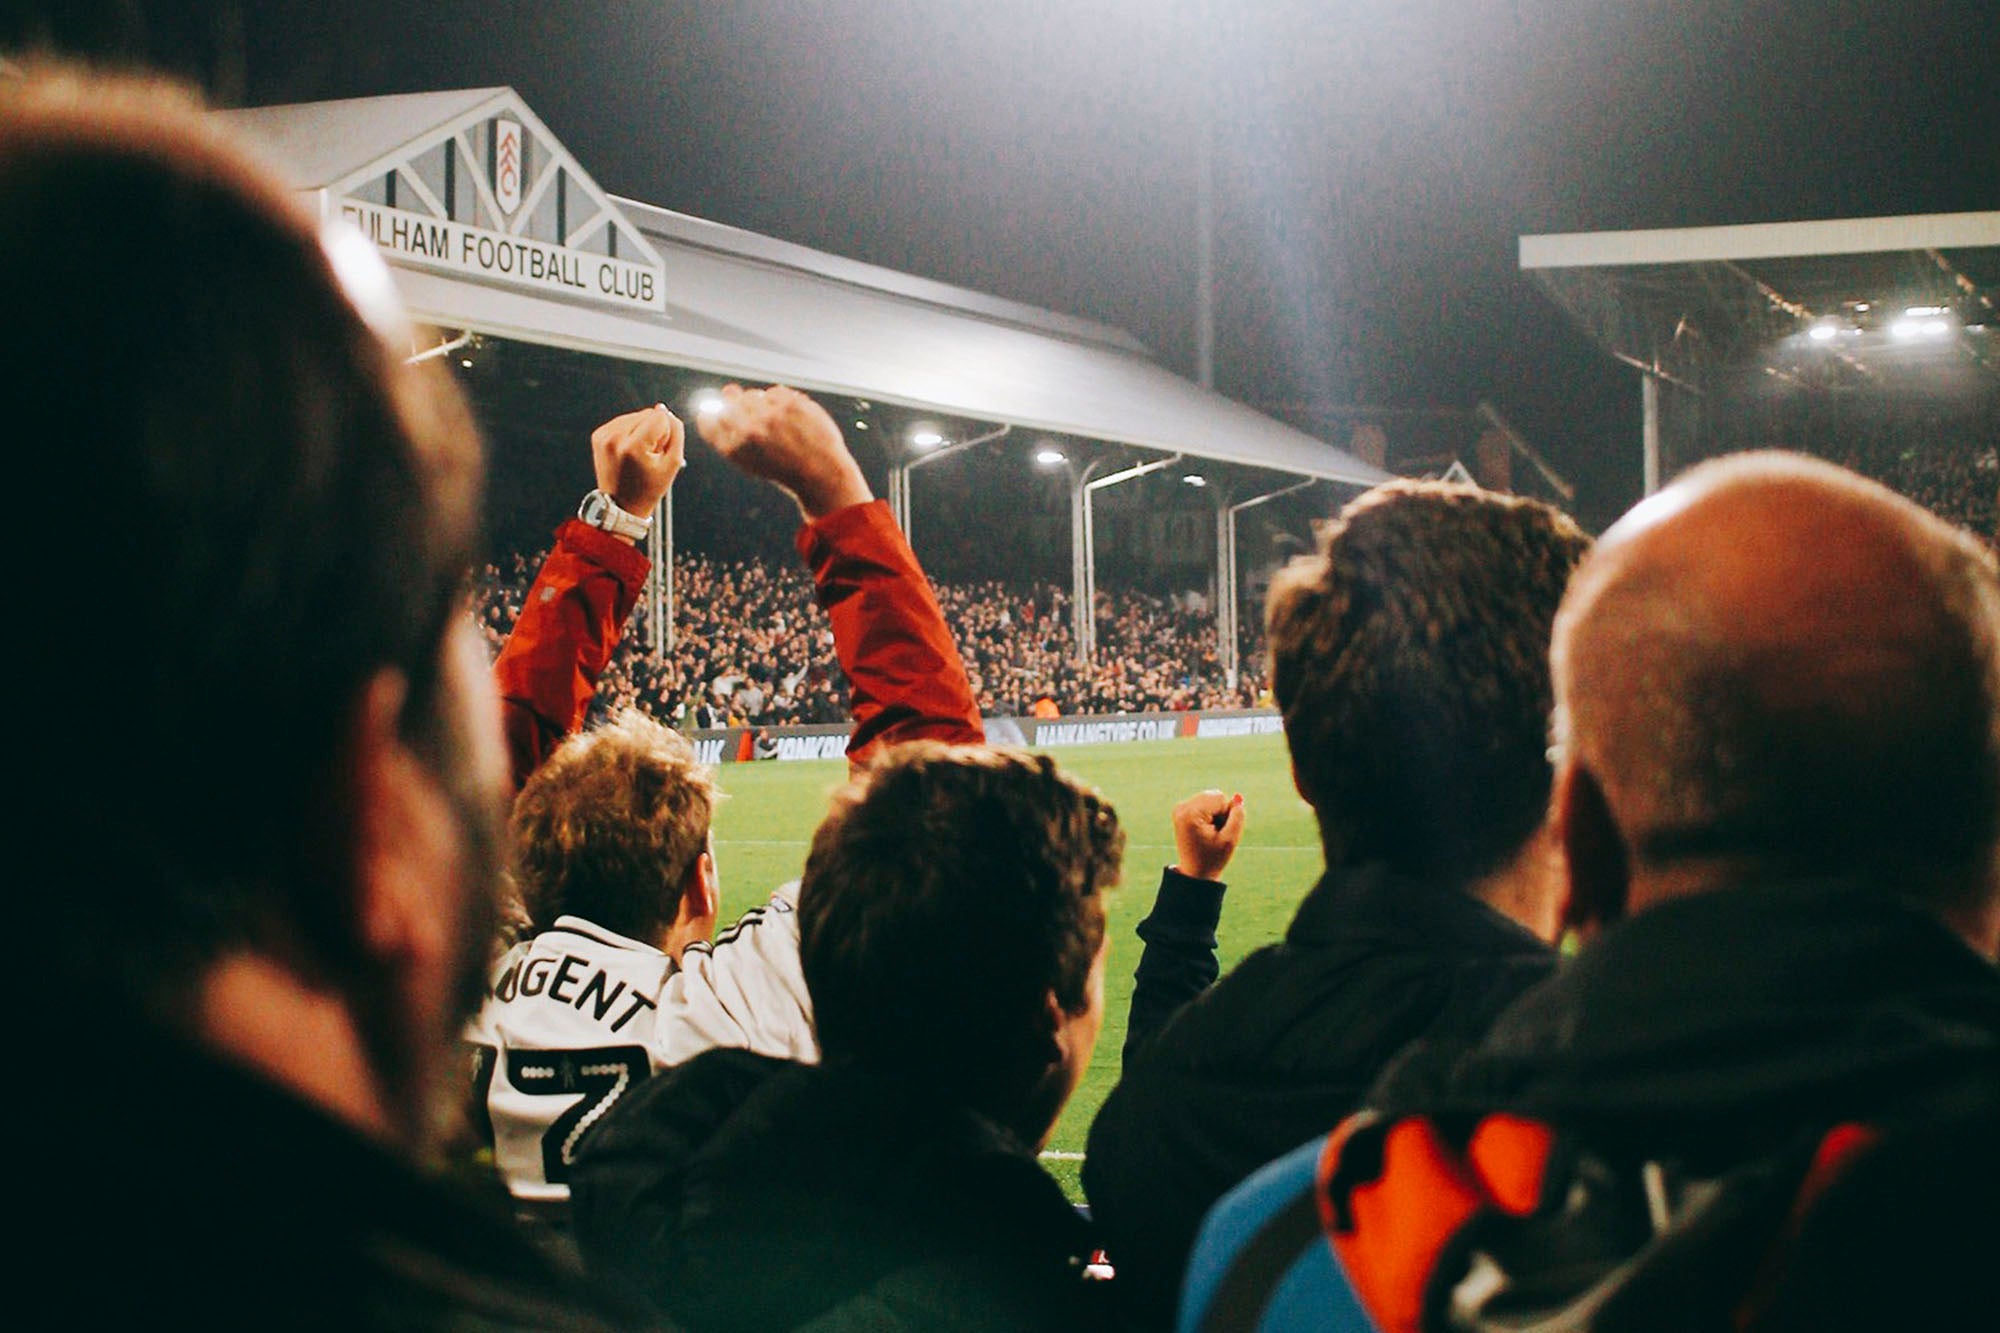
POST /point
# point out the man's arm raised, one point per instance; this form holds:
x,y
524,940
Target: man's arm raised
x,y
904,672
585,591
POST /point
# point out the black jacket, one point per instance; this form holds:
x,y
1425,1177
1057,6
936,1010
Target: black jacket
x,y
745,1192
183,1190
1280,1049
1717,1035
1718,1026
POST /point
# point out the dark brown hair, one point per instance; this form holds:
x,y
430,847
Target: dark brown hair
x,y
949,892
1411,659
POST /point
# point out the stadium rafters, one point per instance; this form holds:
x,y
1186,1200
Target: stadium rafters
x,y
1827,305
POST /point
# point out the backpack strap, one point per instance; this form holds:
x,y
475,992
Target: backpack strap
x,y
1837,1150
1396,1196
1245,1291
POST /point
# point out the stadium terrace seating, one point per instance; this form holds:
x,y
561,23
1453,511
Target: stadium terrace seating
x,y
751,648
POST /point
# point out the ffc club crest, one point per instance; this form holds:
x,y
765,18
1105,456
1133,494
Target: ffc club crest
x,y
507,165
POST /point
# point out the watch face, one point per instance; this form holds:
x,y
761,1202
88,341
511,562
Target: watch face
x,y
596,506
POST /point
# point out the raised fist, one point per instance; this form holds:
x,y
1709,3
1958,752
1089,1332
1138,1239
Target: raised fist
x,y
786,438
1207,828
637,456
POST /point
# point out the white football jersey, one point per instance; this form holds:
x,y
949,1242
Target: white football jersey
x,y
577,1015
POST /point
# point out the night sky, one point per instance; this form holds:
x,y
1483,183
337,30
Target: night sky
x,y
1376,159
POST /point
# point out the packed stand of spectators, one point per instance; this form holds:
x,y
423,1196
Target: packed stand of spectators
x,y
751,649
1956,479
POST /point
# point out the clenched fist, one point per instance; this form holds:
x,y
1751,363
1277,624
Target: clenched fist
x,y
1207,828
637,456
786,438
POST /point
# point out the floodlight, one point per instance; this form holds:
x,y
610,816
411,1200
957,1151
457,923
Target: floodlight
x,y
1195,479
465,361
1920,311
925,438
1822,332
1050,457
707,404
1920,326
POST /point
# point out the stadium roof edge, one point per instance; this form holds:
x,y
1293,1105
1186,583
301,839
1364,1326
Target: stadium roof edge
x,y
686,229
1761,240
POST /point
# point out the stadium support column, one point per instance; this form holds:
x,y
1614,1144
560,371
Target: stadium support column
x,y
1649,427
1227,622
1084,535
899,473
1225,589
660,580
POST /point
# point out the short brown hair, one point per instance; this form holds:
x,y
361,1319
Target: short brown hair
x,y
610,825
279,506
951,890
1410,657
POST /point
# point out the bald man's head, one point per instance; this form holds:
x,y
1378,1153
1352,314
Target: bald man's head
x,y
1777,664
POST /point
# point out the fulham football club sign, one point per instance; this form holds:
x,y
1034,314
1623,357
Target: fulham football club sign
x,y
491,195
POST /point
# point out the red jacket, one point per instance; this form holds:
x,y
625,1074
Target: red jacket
x,y
905,676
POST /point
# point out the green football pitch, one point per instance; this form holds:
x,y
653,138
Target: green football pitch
x,y
761,833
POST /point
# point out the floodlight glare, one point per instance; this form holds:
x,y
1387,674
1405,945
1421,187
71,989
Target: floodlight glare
x,y
1920,326
1920,311
465,361
1050,457
707,404
1195,479
926,439
1822,333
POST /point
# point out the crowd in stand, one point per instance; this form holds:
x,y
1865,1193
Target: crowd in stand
x,y
750,648
1955,477
1650,982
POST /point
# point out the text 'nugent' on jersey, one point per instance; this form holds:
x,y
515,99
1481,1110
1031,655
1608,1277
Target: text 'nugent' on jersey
x,y
564,981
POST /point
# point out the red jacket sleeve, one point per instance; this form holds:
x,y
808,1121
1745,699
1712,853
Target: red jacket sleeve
x,y
902,667
567,629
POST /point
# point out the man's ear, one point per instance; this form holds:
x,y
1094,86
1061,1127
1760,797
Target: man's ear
x,y
702,897
1597,865
701,900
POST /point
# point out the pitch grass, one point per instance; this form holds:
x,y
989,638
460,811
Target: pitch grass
x,y
762,830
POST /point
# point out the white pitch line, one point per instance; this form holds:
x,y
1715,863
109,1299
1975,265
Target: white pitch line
x,y
1052,1155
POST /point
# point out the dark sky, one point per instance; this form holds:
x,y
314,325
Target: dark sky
x,y
1376,158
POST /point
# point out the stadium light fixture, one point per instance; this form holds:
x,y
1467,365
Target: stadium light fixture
x,y
1823,332
1913,326
1195,479
1050,457
1922,311
926,438
707,403
465,361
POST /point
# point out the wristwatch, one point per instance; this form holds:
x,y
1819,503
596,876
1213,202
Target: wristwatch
x,y
601,511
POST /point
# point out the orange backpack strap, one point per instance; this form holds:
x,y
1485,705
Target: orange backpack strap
x,y
1394,1195
1837,1150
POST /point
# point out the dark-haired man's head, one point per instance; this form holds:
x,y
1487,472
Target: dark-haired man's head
x,y
1410,659
613,828
276,752
952,927
1777,669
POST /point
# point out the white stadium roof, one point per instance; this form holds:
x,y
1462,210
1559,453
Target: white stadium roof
x,y
728,301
